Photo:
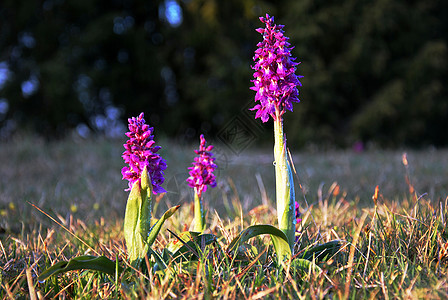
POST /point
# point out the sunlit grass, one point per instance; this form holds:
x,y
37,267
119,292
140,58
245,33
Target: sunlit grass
x,y
397,248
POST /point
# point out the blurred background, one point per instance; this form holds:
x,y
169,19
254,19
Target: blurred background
x,y
376,71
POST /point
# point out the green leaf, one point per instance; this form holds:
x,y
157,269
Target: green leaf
x,y
138,233
176,250
191,243
88,262
322,252
152,235
278,238
160,262
136,216
305,265
291,232
146,208
196,242
176,244
156,228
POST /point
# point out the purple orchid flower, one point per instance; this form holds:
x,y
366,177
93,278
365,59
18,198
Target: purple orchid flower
x,y
201,173
141,152
275,80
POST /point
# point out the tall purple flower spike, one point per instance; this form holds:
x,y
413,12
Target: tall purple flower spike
x,y
275,80
201,174
141,152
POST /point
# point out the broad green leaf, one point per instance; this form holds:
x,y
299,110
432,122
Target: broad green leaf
x,y
135,218
278,238
322,252
88,262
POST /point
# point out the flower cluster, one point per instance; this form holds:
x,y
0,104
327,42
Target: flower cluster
x,y
141,152
201,174
275,80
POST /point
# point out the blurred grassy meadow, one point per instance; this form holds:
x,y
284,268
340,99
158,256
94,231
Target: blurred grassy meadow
x,y
83,177
78,182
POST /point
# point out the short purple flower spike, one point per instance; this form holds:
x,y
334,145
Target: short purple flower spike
x,y
201,174
275,80
298,214
141,152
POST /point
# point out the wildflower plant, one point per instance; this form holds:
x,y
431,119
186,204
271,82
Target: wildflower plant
x,y
145,175
201,175
276,85
144,171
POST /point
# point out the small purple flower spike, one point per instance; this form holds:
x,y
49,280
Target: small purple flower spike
x,y
275,80
201,174
141,152
298,214
298,219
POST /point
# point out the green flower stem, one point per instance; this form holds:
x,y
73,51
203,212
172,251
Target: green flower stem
x,y
284,184
199,218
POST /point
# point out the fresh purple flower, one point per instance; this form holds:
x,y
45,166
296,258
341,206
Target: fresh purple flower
x,y
201,174
141,152
275,80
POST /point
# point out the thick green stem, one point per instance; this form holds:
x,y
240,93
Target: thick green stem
x,y
284,184
199,218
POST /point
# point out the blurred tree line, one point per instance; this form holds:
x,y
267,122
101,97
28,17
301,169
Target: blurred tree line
x,y
375,70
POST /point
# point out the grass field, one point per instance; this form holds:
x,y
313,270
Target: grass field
x,y
394,249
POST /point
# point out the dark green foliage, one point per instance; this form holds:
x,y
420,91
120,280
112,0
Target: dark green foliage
x,y
374,70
